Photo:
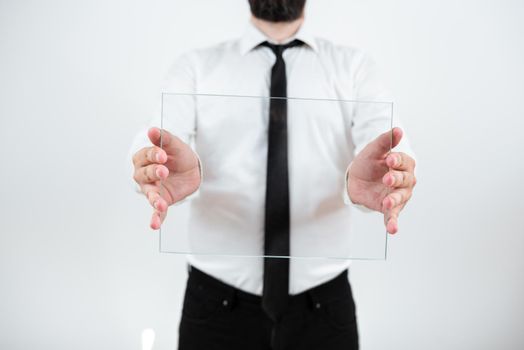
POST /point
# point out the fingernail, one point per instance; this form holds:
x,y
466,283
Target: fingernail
x,y
155,205
157,156
392,180
158,173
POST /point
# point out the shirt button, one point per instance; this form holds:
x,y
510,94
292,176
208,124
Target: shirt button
x,y
225,302
317,305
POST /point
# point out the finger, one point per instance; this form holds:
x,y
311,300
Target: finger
x,y
392,221
157,219
386,141
149,155
164,139
396,198
399,179
150,173
154,197
400,161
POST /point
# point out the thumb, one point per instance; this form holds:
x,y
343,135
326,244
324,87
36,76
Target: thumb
x,y
155,135
386,141
164,139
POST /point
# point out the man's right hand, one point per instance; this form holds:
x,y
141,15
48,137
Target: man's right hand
x,y
165,175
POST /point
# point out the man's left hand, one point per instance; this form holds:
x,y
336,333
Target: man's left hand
x,y
382,180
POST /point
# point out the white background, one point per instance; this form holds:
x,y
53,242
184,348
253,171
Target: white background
x,y
79,268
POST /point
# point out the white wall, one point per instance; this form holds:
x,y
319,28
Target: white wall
x,y
79,268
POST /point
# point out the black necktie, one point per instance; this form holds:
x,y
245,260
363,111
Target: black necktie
x,y
276,270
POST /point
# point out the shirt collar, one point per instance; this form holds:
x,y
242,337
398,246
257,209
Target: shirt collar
x,y
253,37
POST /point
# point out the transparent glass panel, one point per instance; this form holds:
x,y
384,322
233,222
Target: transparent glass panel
x,y
225,216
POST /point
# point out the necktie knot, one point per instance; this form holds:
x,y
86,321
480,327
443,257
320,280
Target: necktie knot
x,y
279,49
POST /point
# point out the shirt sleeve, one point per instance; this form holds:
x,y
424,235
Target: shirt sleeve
x,y
176,111
373,112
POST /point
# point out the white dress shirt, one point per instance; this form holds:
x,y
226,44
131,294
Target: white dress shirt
x,y
233,152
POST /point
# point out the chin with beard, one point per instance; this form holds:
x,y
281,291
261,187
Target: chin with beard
x,y
277,10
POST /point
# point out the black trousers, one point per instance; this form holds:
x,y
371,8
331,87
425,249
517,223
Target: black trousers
x,y
217,316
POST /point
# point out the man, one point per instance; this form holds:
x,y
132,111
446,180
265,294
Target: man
x,y
273,303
